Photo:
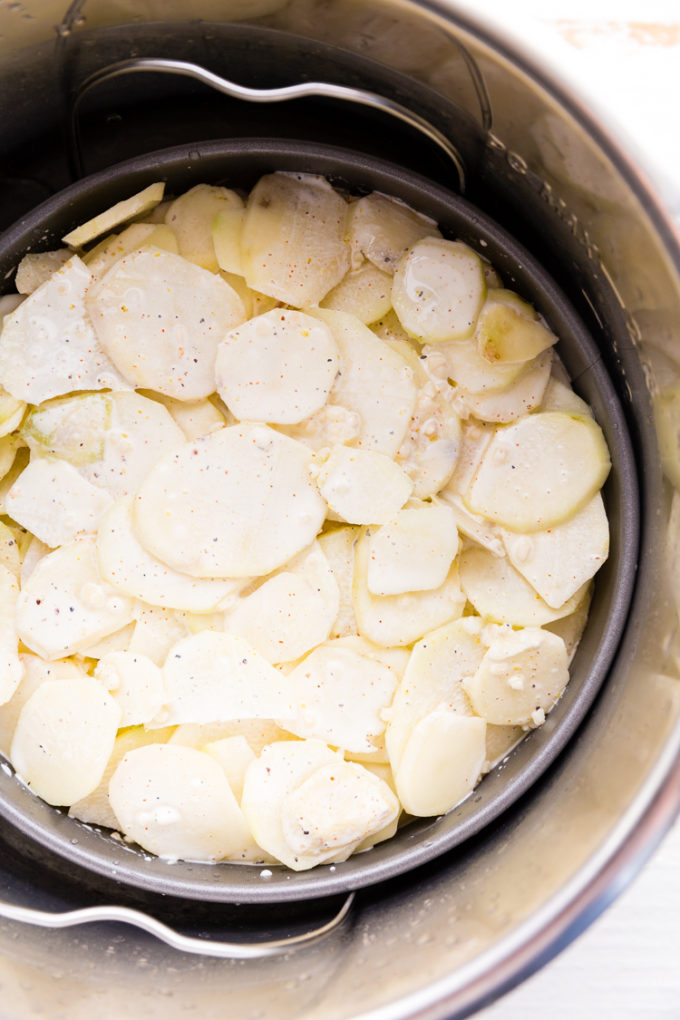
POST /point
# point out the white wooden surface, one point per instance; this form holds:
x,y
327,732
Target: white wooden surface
x,y
626,53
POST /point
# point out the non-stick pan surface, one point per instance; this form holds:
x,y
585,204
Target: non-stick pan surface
x,y
238,164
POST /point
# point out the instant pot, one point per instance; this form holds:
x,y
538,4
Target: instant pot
x,y
429,90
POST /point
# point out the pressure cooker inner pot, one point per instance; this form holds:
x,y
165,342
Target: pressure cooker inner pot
x,y
178,130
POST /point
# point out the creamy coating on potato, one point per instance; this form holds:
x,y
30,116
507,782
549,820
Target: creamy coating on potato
x,y
300,521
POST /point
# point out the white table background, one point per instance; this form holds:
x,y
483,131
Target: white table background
x,y
626,54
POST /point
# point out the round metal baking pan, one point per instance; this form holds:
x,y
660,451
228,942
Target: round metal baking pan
x,y
239,163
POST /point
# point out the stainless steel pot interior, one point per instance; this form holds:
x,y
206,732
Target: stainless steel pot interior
x,y
453,933
239,163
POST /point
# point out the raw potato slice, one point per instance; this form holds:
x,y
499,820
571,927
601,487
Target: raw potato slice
x,y
258,733
559,561
10,556
11,412
570,628
121,212
434,677
521,397
520,678
381,228
432,444
213,677
233,755
509,330
20,462
72,428
338,547
375,382
64,737
362,486
332,424
560,397
278,367
48,346
11,669
35,550
126,565
135,683
119,641
196,418
65,606
54,502
160,319
291,612
467,369
191,218
540,471
226,235
413,551
293,243
305,805
35,671
156,631
243,493
138,235
500,593
176,802
340,696
37,267
438,290
475,438
365,292
472,526
442,762
95,808
401,619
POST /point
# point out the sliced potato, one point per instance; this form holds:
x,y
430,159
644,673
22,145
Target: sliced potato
x,y
244,493
121,212
293,243
338,548
196,418
11,668
135,683
468,369
48,346
11,412
64,737
362,486
509,330
160,320
156,631
35,671
54,502
438,290
72,428
138,235
539,471
278,367
558,396
522,396
37,267
375,382
192,216
331,424
365,292
520,678
432,444
233,755
413,551
176,802
227,229
381,228
217,677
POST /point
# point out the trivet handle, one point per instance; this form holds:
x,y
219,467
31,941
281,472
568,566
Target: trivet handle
x,y
327,90
183,943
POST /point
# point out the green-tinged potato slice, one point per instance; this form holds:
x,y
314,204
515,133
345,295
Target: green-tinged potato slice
x,y
292,611
558,562
160,319
54,502
71,428
35,671
95,808
340,695
432,444
217,677
11,668
117,214
48,346
521,397
126,565
37,267
442,762
293,244
375,382
381,228
135,683
176,802
233,755
362,486
243,493
401,619
500,593
227,229
192,217
438,290
278,367
434,677
413,551
305,805
338,548
509,330
365,292
520,678
65,606
64,737
540,471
